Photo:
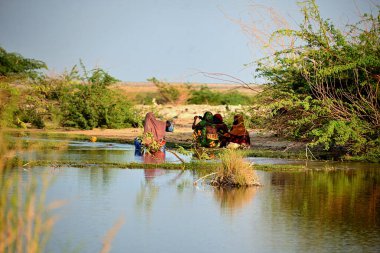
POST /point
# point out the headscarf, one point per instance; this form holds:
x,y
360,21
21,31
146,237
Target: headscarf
x,y
218,119
208,117
238,128
154,126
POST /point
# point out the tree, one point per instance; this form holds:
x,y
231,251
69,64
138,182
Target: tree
x,y
15,64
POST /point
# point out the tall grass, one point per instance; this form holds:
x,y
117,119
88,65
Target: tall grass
x,y
234,171
25,220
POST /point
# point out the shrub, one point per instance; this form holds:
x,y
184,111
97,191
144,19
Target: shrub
x,y
325,89
206,96
8,104
15,64
73,100
168,93
90,106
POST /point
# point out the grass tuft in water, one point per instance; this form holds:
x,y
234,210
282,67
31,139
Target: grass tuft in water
x,y
234,171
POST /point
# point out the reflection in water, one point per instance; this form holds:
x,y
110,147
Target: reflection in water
x,y
95,152
333,211
150,174
146,196
149,189
156,158
341,204
234,199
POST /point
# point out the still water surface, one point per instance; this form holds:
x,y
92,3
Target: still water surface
x,y
335,209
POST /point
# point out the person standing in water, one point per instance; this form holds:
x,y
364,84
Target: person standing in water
x,y
157,129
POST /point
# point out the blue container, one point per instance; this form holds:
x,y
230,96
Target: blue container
x,y
138,147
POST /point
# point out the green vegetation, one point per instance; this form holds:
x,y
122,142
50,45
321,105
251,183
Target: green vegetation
x,y
206,96
14,64
167,93
330,196
146,98
91,104
25,223
8,103
71,100
199,166
234,171
325,88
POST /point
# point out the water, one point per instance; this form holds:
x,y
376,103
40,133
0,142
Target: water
x,y
330,211
333,208
85,151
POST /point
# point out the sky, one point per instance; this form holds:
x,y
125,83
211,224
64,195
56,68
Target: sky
x,y
172,40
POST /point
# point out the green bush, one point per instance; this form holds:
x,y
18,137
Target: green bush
x,y
146,98
91,104
15,64
74,100
325,89
206,96
167,93
8,104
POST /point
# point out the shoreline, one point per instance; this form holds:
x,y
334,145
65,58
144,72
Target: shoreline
x,y
262,145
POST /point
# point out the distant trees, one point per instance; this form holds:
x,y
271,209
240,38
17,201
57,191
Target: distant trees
x,y
15,64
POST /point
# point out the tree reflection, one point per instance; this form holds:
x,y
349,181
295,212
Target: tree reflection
x,y
100,178
349,197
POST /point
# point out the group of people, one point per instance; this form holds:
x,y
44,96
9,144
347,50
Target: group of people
x,y
212,132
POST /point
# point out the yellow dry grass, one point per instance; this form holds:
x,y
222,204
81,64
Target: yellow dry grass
x,y
25,220
234,171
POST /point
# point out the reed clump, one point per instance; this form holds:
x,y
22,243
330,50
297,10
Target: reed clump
x,y
25,219
234,171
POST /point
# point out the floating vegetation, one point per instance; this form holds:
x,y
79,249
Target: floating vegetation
x,y
234,171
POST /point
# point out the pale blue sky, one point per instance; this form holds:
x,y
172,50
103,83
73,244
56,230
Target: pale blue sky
x,y
137,39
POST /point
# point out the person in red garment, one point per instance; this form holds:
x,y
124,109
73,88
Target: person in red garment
x,y
157,128
239,133
154,126
221,129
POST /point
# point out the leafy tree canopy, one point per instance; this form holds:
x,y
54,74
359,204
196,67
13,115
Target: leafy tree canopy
x,y
13,64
